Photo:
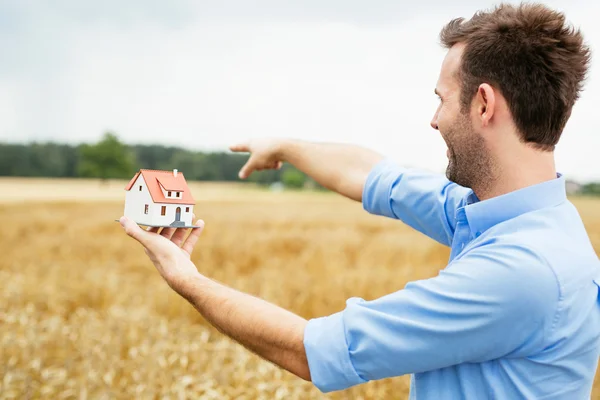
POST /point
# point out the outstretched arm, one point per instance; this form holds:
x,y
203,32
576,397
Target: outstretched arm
x,y
267,330
423,200
342,168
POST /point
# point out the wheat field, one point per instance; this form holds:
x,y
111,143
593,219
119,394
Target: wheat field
x,y
84,315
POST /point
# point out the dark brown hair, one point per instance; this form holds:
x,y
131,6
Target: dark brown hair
x,y
531,56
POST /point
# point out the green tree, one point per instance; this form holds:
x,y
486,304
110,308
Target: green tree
x,y
109,158
292,178
592,189
195,166
38,159
153,156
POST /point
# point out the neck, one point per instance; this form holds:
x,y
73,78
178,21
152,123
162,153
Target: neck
x,y
520,169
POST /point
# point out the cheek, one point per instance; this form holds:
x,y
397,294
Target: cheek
x,y
448,117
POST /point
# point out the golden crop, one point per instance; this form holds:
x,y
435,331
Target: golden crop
x,y
83,313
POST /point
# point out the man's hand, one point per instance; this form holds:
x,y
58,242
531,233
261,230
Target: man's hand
x,y
265,154
168,250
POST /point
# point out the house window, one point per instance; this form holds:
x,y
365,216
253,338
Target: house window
x,y
187,209
178,193
163,210
169,194
140,188
146,209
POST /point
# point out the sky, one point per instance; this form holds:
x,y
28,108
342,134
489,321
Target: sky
x,y
207,74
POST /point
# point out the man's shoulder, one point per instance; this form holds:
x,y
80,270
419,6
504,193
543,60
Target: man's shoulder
x,y
512,270
555,236
561,221
542,254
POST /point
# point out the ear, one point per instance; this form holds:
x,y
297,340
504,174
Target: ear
x,y
485,103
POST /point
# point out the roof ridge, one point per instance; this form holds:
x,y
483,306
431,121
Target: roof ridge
x,y
160,170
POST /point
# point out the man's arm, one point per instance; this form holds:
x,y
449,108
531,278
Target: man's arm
x,y
267,330
423,200
342,168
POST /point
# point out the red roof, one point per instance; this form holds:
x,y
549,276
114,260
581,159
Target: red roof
x,y
167,179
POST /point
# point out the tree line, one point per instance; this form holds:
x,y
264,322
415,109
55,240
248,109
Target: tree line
x,y
110,158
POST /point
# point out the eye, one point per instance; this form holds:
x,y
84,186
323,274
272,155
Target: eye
x,y
437,93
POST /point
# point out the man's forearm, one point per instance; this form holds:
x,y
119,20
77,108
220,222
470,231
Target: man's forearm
x,y
342,168
267,330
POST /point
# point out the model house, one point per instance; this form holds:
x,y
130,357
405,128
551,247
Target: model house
x,y
159,198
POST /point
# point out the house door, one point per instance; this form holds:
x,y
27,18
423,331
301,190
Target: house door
x,y
178,214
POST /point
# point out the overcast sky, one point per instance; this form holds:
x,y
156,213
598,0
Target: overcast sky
x,y
204,75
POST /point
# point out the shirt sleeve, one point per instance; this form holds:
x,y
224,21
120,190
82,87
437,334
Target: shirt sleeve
x,y
489,304
423,200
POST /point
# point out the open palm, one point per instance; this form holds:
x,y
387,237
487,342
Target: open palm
x,y
169,250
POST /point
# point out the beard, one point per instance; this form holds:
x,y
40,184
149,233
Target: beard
x,y
469,161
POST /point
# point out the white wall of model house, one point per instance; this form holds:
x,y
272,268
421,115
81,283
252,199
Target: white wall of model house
x,y
135,200
140,207
170,213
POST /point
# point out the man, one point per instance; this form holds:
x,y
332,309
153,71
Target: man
x,y
515,314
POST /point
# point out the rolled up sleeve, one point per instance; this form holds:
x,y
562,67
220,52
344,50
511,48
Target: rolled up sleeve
x,y
480,309
423,200
327,352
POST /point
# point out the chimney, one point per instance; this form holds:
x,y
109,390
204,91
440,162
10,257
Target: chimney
x,y
175,173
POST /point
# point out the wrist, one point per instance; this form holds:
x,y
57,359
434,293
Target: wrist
x,y
283,149
189,285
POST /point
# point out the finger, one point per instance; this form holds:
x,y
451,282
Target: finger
x,y
247,169
153,229
179,236
168,232
274,165
132,229
190,242
240,147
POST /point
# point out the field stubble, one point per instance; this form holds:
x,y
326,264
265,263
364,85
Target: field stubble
x,y
85,315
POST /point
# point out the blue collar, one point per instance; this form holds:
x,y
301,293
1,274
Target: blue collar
x,y
482,215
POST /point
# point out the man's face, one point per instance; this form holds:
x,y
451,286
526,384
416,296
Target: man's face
x,y
467,153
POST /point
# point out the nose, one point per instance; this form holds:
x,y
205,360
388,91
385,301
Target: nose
x,y
434,120
434,123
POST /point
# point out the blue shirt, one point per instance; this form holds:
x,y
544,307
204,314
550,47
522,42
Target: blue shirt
x,y
515,314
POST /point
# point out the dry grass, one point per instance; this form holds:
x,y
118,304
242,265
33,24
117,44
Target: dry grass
x,y
83,314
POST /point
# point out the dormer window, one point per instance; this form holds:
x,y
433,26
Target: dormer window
x,y
178,193
169,194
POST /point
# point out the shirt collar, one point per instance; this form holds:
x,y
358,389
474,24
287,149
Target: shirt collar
x,y
482,215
